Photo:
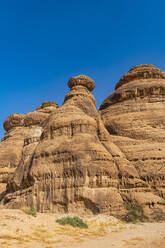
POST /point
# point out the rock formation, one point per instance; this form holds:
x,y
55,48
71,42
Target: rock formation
x,y
134,116
74,163
76,159
20,130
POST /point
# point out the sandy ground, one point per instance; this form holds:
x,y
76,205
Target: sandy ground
x,y
19,230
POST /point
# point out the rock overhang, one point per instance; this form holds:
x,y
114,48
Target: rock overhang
x,y
83,81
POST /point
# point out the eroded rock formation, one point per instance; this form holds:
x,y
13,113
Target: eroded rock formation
x,y
20,131
134,116
74,163
76,159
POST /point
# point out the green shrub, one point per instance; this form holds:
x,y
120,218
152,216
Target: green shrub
x,y
73,221
134,214
162,203
31,211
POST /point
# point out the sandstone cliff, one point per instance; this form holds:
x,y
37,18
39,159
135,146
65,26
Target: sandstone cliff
x,y
76,159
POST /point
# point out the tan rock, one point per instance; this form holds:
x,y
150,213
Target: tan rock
x,y
74,167
76,159
21,129
134,116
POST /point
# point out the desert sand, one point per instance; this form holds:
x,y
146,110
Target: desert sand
x,y
25,231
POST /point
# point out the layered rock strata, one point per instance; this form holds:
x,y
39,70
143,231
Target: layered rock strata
x,y
20,131
74,167
134,116
76,159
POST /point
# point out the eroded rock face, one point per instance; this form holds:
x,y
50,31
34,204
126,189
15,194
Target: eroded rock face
x,y
76,159
134,116
20,131
74,167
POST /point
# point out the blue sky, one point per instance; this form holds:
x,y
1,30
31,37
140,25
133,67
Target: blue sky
x,y
45,42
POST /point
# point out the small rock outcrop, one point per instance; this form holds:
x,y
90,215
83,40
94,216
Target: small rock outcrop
x,y
80,160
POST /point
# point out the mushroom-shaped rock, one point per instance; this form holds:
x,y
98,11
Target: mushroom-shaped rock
x,y
47,104
80,91
47,107
83,81
41,113
14,120
34,118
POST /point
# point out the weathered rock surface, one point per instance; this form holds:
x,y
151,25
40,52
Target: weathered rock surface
x,y
76,159
74,164
134,116
20,130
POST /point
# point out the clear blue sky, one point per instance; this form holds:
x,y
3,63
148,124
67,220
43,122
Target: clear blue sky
x,y
45,42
